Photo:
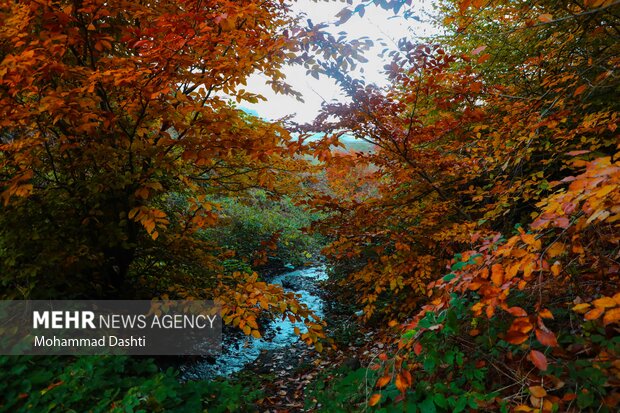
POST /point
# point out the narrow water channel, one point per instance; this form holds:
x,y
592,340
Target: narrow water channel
x,y
236,354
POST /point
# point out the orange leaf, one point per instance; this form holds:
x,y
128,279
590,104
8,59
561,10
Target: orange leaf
x,y
545,18
374,399
407,377
546,338
497,274
401,382
555,249
538,391
484,58
383,381
580,90
538,359
545,314
517,312
604,302
594,313
612,316
463,5
515,337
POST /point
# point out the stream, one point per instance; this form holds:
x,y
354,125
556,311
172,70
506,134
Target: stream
x,y
237,353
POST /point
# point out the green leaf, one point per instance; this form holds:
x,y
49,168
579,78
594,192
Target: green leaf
x,y
428,406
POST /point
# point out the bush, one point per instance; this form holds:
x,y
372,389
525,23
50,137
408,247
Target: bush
x,y
110,384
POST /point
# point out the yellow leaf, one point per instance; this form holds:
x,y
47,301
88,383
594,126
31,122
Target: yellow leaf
x,y
529,239
555,249
581,308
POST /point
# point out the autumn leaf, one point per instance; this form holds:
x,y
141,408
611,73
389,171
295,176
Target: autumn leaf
x,y
383,381
578,91
403,381
478,50
546,338
497,274
545,18
516,337
594,313
581,308
604,302
545,313
612,316
538,359
374,399
517,311
538,391
484,58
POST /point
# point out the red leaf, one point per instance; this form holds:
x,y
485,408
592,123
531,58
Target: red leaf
x,y
516,337
417,349
479,49
538,359
484,58
546,338
517,312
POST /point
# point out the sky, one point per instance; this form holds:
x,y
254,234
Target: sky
x,y
377,24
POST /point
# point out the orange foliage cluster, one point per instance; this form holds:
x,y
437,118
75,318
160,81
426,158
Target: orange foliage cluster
x,y
116,141
513,131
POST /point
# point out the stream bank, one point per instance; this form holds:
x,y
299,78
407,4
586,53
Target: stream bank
x,y
279,349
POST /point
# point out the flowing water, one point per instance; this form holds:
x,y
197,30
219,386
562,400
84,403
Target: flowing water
x,y
237,353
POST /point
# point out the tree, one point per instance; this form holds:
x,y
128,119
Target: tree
x,y
117,126
497,212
